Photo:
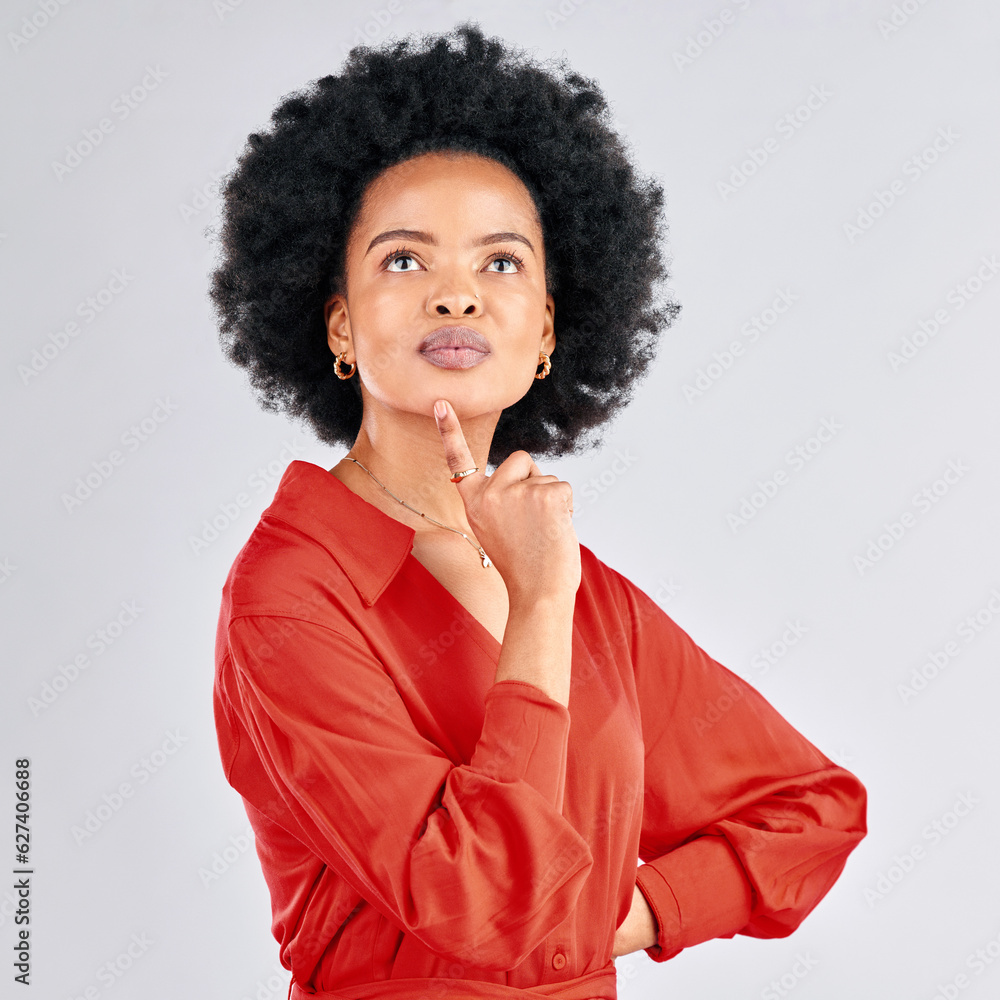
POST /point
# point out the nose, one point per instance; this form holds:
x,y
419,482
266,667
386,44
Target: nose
x,y
455,297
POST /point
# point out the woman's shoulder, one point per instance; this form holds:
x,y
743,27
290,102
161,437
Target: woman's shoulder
x,y
596,573
281,570
601,585
617,595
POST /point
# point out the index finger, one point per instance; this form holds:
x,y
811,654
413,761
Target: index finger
x,y
456,449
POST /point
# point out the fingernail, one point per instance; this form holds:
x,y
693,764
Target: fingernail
x,y
440,410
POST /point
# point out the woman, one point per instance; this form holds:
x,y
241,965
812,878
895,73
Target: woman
x,y
454,728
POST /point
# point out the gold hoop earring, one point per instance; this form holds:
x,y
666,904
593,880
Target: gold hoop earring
x,y
336,366
543,359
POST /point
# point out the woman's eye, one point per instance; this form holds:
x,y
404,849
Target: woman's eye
x,y
509,264
411,266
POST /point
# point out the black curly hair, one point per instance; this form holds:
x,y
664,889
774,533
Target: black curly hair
x,y
294,194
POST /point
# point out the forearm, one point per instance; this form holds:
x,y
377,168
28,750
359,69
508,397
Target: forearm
x,y
538,645
639,928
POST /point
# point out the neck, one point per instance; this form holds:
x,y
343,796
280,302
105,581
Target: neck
x,y
407,455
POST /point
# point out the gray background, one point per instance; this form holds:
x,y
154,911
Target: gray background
x,y
653,502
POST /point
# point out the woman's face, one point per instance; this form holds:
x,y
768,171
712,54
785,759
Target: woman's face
x,y
444,240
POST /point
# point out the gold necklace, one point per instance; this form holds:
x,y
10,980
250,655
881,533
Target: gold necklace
x,y
478,548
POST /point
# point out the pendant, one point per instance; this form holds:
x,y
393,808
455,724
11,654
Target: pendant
x,y
486,559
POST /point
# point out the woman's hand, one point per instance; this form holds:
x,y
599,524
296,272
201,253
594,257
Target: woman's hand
x,y
522,519
638,929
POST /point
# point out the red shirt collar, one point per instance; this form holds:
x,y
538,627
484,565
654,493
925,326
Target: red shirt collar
x,y
369,545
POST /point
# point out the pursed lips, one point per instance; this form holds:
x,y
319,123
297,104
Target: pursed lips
x,y
455,338
455,347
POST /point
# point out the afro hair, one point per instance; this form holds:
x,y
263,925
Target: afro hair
x,y
294,194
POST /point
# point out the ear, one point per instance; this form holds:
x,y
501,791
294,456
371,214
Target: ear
x,y
548,325
338,324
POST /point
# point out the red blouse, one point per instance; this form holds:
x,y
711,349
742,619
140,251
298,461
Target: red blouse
x,y
419,824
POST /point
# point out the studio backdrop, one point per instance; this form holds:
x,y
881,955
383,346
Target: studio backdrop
x,y
806,481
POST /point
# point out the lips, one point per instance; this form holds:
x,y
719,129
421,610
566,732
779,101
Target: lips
x,y
455,347
455,337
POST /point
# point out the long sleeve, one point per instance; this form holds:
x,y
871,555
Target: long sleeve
x,y
474,859
746,825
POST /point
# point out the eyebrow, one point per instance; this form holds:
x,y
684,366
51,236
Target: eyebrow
x,y
418,235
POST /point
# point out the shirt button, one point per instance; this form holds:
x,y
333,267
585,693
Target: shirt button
x,y
558,960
